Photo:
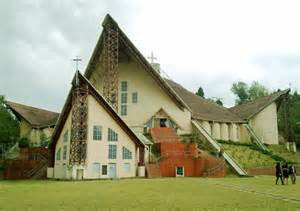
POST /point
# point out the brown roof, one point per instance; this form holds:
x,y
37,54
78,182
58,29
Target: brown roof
x,y
249,109
37,117
83,81
124,42
204,109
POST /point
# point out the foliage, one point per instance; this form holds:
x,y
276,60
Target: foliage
x,y
9,125
24,142
219,102
44,139
294,117
245,93
216,100
200,92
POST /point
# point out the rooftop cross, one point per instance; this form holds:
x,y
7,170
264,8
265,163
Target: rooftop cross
x,y
77,59
152,58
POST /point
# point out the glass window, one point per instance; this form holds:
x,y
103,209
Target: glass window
x,y
124,97
104,169
112,135
65,152
126,153
124,87
112,151
97,133
66,136
123,110
126,167
58,154
134,97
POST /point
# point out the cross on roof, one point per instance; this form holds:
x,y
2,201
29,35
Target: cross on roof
x,y
77,59
152,58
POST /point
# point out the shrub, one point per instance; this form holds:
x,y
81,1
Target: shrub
x,y
24,142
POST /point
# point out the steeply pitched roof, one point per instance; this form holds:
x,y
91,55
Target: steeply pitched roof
x,y
37,117
83,81
249,109
124,41
204,109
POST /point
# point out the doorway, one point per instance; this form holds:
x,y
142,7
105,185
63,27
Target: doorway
x,y
112,170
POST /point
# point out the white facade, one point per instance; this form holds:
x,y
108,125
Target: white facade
x,y
98,164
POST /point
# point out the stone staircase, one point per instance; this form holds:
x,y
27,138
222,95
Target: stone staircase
x,y
164,135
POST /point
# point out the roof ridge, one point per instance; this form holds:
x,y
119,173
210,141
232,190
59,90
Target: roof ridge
x,y
24,105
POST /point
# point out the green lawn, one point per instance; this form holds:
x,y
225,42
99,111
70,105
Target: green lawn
x,y
257,193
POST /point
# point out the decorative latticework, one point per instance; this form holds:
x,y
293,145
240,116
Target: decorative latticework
x,y
110,64
79,127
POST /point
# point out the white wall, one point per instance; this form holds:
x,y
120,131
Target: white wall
x,y
151,97
265,124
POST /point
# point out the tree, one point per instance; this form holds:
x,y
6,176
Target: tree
x,y
245,93
241,90
9,125
200,92
257,90
219,102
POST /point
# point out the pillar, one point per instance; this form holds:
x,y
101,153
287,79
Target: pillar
x,y
224,132
233,132
216,131
206,126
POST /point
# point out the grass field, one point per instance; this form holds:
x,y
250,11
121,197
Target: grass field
x,y
257,193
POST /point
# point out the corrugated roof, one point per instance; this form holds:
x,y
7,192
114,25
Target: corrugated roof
x,y
204,109
37,117
249,109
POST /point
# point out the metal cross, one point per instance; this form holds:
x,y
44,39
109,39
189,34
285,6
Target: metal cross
x,y
152,58
77,59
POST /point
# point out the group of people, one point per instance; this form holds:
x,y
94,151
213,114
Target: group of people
x,y
284,172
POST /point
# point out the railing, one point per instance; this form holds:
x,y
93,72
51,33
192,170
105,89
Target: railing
x,y
36,171
256,139
218,147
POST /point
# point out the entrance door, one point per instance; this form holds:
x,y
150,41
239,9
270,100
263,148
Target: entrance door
x,y
112,170
79,174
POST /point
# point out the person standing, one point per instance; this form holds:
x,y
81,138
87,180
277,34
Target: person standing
x,y
278,173
285,172
292,173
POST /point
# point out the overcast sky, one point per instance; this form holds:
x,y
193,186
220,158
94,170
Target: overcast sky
x,y
198,43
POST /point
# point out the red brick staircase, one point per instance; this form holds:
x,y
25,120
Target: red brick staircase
x,y
164,135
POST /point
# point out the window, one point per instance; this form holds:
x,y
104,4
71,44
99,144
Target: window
x,y
96,169
124,97
123,110
126,167
65,152
112,135
124,89
66,136
127,154
97,133
134,97
112,151
104,169
124,86
58,154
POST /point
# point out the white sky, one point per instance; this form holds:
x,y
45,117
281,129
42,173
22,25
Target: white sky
x,y
198,43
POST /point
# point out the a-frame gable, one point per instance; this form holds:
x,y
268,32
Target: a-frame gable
x,y
78,78
125,43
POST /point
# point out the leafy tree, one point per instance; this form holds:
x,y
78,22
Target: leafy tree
x,y
241,90
44,139
200,92
219,102
9,125
245,93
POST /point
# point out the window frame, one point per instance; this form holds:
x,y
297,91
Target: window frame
x,y
58,154
102,170
66,136
65,149
134,97
112,151
96,136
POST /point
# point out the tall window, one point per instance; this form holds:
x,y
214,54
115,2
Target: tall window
x,y
112,151
127,154
97,133
65,152
134,97
104,169
66,136
124,90
124,87
58,154
112,135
